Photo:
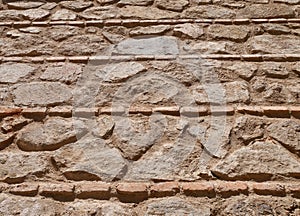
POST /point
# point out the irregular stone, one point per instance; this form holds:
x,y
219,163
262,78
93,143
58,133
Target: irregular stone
x,y
59,33
278,93
119,72
10,123
10,15
76,5
266,11
211,47
106,1
227,32
276,29
231,92
149,30
288,1
189,30
175,206
90,159
31,30
13,72
49,6
247,129
135,2
296,68
103,12
274,44
15,167
208,11
113,38
287,132
104,128
35,14
24,5
64,14
163,45
274,70
139,12
14,33
41,93
245,70
63,72
273,160
173,5
6,140
50,135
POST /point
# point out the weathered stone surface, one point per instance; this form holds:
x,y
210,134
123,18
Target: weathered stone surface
x,y
50,135
149,13
10,15
31,30
13,72
208,11
35,14
14,167
64,14
59,33
288,1
12,123
149,30
163,45
90,159
63,72
104,12
233,33
287,132
76,5
41,93
274,44
120,71
135,2
245,70
6,140
174,5
175,206
278,93
276,29
274,70
24,5
243,163
106,1
190,30
212,47
104,128
231,92
266,11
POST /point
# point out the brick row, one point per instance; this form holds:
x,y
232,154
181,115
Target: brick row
x,y
68,111
138,191
85,59
131,22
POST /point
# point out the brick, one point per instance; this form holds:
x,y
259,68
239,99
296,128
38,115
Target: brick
x,y
142,110
295,111
269,188
294,190
252,110
173,110
85,112
96,190
58,191
164,189
194,111
198,189
24,189
276,111
7,111
63,111
37,113
228,110
227,189
132,192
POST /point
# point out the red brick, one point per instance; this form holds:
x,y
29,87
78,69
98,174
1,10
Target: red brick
x,y
269,188
6,111
294,189
164,189
252,110
172,110
132,192
63,111
198,188
276,111
295,111
62,191
24,189
231,188
97,190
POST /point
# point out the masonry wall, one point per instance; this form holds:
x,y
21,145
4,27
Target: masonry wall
x,y
150,107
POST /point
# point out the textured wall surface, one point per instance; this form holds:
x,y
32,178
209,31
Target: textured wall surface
x,y
150,107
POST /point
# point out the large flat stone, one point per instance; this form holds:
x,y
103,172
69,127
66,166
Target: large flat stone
x,y
63,72
50,135
266,11
163,45
90,159
13,72
140,12
41,93
233,33
173,5
258,161
208,11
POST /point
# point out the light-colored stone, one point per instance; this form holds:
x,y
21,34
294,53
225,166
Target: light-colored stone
x,y
164,45
50,135
31,30
149,30
120,71
174,5
233,33
135,2
64,14
17,166
245,70
190,30
276,28
140,12
63,72
212,47
103,12
89,159
259,161
25,5
35,14
104,128
274,44
274,70
59,33
76,5
266,11
13,72
41,93
208,11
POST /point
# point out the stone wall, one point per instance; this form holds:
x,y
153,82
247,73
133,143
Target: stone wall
x,y
150,107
